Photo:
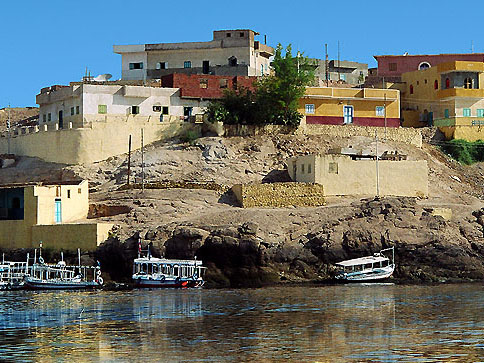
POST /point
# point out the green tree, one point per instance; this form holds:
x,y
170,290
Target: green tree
x,y
275,98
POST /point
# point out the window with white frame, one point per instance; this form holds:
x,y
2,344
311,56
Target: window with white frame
x,y
380,111
310,108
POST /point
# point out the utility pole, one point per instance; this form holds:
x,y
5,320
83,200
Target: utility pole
x,y
326,65
8,130
385,113
339,73
298,55
377,171
129,158
142,164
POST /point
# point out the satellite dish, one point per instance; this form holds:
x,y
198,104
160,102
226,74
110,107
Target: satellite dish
x,y
103,77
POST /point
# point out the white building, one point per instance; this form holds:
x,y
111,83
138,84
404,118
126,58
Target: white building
x,y
84,103
231,52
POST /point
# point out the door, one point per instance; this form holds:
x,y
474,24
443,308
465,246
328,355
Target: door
x,y
58,211
61,119
187,112
206,67
348,114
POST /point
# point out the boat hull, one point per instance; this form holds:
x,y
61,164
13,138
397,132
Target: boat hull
x,y
167,283
60,285
369,276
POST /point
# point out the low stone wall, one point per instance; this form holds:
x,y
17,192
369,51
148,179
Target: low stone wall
x,y
253,130
406,135
279,195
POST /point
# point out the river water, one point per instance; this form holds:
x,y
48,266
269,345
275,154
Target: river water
x,y
350,323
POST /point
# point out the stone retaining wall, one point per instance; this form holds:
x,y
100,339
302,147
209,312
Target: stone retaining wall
x,y
279,195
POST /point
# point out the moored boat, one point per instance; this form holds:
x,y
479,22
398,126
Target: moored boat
x,y
365,269
60,276
12,274
162,272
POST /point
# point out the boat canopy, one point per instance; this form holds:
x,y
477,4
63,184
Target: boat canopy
x,y
362,261
156,261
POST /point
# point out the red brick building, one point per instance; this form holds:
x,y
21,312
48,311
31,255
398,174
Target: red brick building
x,y
205,86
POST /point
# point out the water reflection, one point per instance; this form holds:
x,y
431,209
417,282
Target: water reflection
x,y
359,323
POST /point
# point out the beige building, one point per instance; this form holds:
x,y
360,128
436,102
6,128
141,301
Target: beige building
x,y
342,175
52,213
230,52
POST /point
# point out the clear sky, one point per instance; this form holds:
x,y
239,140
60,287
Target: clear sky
x,y
53,41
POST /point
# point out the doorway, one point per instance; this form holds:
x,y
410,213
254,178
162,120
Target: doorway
x,y
58,211
348,114
206,67
187,112
61,119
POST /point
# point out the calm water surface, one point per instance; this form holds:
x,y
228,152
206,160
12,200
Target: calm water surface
x,y
355,323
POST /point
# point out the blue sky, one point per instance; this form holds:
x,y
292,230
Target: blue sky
x,y
52,42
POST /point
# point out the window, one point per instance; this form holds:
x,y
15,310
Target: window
x,y
72,111
68,193
309,168
411,89
49,117
241,34
203,83
392,67
333,168
161,65
156,108
418,83
310,108
424,65
187,64
102,109
480,112
425,81
302,169
165,110
436,84
79,191
229,35
77,110
342,77
224,83
447,83
57,191
446,113
466,112
44,117
134,110
138,65
468,83
380,111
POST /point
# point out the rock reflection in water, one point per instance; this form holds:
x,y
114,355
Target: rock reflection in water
x,y
330,323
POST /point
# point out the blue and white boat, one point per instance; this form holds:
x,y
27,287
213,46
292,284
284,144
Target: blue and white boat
x,y
370,268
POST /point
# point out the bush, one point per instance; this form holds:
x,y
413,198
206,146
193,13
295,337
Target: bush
x,y
190,136
465,152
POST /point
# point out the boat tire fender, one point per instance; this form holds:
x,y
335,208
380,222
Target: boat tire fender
x,y
98,272
100,280
162,278
41,260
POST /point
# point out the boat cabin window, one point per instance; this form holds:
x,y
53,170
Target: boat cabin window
x,y
175,270
368,266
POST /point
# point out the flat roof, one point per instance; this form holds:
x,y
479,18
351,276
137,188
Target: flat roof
x,y
29,184
156,260
425,55
362,261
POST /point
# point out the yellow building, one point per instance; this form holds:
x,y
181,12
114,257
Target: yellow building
x,y
449,95
54,214
343,175
355,106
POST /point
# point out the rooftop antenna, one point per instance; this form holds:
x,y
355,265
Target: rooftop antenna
x,y
265,38
326,65
8,130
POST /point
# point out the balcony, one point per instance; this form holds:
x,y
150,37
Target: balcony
x,y
460,93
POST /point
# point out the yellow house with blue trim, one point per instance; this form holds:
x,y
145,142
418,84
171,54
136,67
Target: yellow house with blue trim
x,y
450,96
55,214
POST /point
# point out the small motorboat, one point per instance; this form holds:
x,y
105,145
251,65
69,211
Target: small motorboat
x,y
12,274
370,268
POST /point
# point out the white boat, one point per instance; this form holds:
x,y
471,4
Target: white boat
x,y
12,274
370,268
60,276
162,272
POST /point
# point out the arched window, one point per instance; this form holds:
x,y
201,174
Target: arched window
x,y
411,89
424,65
447,83
468,83
233,61
436,84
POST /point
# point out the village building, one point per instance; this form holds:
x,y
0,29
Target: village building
x,y
355,173
391,67
52,213
449,95
230,52
346,72
351,106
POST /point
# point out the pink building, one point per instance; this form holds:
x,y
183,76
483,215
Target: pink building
x,y
394,65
